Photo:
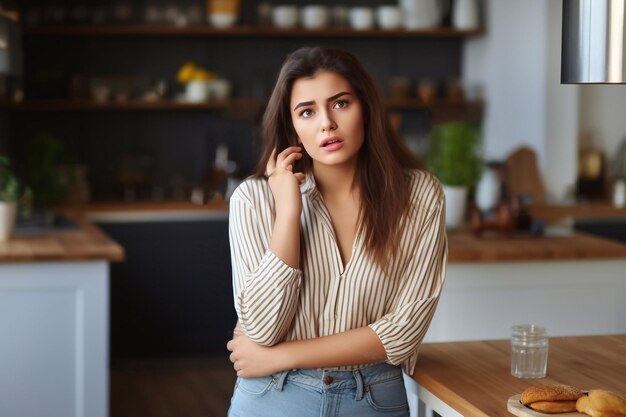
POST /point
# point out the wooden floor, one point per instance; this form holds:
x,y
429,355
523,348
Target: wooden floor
x,y
182,387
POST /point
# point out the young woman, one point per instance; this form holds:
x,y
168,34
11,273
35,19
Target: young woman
x,y
338,249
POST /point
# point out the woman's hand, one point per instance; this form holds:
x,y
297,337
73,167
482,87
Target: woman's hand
x,y
250,359
284,183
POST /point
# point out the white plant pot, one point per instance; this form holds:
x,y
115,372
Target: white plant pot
x,y
456,199
8,212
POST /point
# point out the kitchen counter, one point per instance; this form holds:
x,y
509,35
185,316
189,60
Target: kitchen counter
x,y
88,242
464,247
54,320
473,379
595,209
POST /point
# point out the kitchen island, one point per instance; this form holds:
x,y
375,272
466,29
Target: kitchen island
x,y
54,289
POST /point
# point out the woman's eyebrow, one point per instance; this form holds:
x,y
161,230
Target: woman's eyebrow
x,y
331,98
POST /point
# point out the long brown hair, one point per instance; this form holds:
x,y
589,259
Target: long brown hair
x,y
383,160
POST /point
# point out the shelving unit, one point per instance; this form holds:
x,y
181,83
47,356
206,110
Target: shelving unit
x,y
182,134
241,31
90,105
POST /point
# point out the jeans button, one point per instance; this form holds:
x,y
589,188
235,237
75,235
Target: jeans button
x,y
328,380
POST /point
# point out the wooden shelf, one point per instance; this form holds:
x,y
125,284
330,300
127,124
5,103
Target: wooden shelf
x,y
130,105
241,31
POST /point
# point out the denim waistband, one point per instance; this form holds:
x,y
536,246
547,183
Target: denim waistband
x,y
324,380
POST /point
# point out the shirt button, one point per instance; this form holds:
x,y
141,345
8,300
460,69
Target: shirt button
x,y
328,380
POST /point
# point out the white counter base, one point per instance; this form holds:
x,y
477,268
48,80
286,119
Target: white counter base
x,y
54,339
570,298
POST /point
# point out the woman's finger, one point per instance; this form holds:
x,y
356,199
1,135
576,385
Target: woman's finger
x,y
285,153
300,176
288,162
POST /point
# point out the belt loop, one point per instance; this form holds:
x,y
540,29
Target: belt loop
x,y
359,384
279,380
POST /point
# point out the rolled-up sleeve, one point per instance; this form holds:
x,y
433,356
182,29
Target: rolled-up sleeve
x,y
403,328
265,288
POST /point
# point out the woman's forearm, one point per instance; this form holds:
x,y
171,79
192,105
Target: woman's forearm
x,y
285,241
353,347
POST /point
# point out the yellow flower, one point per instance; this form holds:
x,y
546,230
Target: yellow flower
x,y
186,72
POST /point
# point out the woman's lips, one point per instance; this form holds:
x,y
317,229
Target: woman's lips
x,y
332,143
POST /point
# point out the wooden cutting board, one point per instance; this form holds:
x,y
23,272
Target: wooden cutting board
x,y
522,175
514,406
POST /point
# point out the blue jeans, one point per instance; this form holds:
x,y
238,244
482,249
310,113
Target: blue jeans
x,y
376,390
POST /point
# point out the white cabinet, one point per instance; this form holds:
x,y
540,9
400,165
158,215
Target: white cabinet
x,y
54,339
483,300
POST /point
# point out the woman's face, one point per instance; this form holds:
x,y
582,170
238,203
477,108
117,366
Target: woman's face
x,y
328,118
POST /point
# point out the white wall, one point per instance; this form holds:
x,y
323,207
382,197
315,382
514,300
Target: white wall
x,y
518,63
562,100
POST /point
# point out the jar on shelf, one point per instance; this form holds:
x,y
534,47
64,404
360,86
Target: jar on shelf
x,y
222,13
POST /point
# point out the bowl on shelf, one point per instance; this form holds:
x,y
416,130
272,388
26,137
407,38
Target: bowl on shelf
x,y
388,17
314,16
361,18
285,17
222,20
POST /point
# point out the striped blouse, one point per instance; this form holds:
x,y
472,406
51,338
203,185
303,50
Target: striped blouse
x,y
276,302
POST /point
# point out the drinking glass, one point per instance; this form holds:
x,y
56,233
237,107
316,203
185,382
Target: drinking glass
x,y
529,351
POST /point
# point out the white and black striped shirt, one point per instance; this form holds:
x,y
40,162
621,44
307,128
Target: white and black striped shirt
x,y
277,303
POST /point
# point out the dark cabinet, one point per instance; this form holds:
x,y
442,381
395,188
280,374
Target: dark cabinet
x,y
173,294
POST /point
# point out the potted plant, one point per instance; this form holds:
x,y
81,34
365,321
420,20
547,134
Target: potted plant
x,y
454,157
8,199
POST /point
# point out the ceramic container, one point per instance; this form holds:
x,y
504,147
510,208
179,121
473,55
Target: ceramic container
x,y
361,18
314,17
8,213
285,17
388,17
465,15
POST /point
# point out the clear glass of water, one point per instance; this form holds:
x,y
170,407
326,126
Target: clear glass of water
x,y
529,351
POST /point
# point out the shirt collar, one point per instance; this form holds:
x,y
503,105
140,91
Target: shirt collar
x,y
308,185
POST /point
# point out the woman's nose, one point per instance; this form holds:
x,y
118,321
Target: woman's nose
x,y
328,123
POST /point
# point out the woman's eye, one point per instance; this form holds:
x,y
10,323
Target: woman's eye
x,y
341,104
306,113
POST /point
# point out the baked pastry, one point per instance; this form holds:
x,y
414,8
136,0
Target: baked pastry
x,y
551,398
602,403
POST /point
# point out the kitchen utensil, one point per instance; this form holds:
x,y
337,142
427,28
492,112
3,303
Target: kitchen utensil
x,y
522,175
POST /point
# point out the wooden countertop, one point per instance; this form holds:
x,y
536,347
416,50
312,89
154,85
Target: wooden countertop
x,y
474,377
595,209
86,243
464,247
